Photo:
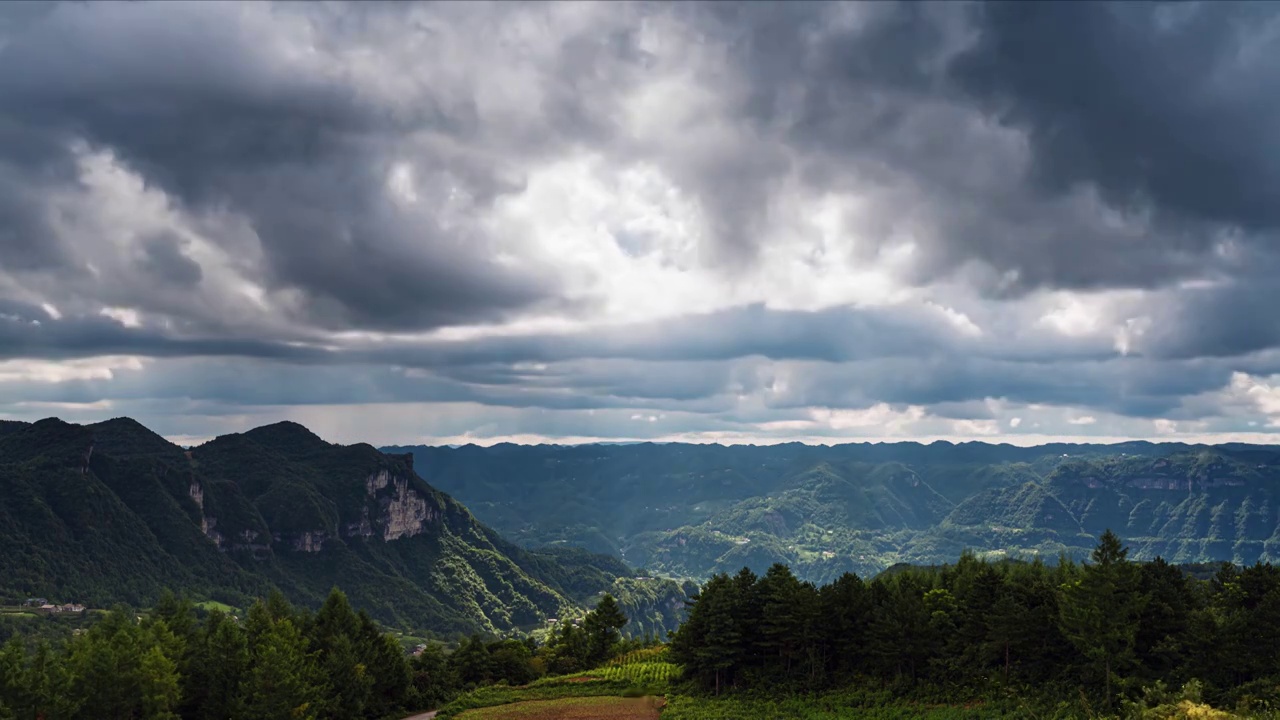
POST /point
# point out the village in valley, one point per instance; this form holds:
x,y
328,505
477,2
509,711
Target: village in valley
x,y
43,606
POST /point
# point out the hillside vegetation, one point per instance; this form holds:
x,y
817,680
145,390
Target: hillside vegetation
x,y
696,510
112,512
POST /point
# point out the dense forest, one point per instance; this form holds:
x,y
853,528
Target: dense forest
x,y
1106,637
279,662
1105,628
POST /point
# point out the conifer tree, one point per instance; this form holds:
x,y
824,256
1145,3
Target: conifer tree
x,y
282,680
160,688
1099,610
223,663
602,626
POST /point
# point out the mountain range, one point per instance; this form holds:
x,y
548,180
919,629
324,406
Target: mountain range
x,y
455,540
113,512
687,510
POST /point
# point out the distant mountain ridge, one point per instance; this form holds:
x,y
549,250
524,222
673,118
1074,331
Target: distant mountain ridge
x,y
693,510
113,512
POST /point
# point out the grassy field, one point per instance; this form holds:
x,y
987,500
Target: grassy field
x,y
631,687
576,708
215,605
552,688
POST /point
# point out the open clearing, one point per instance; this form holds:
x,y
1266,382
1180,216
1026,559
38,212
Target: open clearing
x,y
577,708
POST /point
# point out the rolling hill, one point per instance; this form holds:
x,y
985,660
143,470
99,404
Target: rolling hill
x,y
694,510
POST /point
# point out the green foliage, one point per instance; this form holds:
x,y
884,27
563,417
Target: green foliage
x,y
282,663
1092,634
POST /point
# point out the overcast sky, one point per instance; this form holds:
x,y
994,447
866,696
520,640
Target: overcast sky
x,y
562,222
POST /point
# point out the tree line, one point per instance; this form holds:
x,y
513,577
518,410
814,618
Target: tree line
x,y
1106,627
280,662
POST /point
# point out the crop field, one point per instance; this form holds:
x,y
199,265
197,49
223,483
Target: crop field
x,y
553,688
576,708
640,673
682,707
653,654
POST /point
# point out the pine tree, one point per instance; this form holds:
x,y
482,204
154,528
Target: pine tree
x,y
782,619
160,689
222,667
386,665
13,675
282,681
1099,611
602,626
846,606
49,686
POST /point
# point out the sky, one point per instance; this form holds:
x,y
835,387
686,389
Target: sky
x,y
569,222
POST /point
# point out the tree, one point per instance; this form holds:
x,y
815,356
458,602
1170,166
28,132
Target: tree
x,y
433,680
49,686
385,664
1099,611
13,674
471,662
602,626
1161,640
846,607
158,678
781,620
223,663
105,666
335,632
282,681
710,644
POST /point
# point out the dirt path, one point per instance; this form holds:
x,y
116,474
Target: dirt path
x,y
423,716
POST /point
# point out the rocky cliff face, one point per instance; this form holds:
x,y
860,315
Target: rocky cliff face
x,y
402,511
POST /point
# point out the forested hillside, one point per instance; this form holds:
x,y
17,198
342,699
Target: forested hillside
x,y
112,512
695,510
1100,632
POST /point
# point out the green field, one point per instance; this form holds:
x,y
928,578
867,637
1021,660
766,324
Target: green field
x,y
215,605
552,688
577,708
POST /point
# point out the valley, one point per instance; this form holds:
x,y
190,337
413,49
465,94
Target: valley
x,y
695,510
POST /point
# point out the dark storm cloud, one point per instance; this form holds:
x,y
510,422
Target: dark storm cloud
x,y
27,331
1126,386
1166,110
199,100
1171,102
835,335
341,165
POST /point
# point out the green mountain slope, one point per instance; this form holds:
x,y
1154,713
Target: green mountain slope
x,y
113,512
695,510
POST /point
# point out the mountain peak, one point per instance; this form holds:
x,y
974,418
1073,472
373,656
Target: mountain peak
x,y
125,437
287,437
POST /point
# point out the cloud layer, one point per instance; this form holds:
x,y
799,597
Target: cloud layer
x,y
756,222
